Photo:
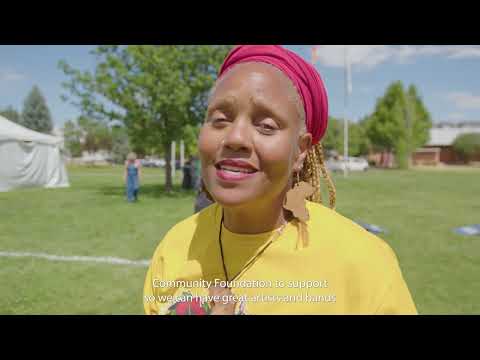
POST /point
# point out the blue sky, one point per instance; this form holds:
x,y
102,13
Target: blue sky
x,y
447,76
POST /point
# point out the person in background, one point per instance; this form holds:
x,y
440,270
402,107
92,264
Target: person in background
x,y
201,200
132,175
187,182
196,170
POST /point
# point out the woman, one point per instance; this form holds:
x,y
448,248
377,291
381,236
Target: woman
x,y
132,175
268,245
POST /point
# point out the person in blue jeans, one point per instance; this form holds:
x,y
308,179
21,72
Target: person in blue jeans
x,y
132,176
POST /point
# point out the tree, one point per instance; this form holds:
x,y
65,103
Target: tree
x,y
399,123
333,139
190,138
96,134
467,145
364,143
358,143
120,144
73,136
155,91
419,121
384,126
86,134
11,114
35,114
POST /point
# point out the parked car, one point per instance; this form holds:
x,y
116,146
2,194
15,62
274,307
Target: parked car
x,y
153,162
145,162
353,164
159,162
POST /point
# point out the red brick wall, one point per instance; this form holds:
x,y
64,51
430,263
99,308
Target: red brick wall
x,y
424,158
449,156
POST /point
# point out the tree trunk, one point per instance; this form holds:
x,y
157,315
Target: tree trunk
x,y
168,167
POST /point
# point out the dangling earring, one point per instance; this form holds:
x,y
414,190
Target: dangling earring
x,y
295,199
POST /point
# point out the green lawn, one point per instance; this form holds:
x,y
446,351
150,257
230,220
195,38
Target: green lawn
x,y
92,218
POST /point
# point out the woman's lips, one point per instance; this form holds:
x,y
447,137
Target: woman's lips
x,y
233,176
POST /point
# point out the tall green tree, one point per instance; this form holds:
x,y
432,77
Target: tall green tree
x,y
400,122
384,126
35,114
11,114
419,120
155,91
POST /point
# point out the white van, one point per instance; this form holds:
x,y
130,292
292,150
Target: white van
x,y
353,164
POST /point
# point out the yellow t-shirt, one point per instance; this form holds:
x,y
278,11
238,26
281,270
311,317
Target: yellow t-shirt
x,y
343,270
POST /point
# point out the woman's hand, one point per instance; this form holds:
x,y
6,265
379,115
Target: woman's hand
x,y
226,303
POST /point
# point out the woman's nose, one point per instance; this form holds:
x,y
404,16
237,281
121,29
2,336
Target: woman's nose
x,y
238,136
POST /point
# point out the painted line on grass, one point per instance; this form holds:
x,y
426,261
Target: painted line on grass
x,y
98,259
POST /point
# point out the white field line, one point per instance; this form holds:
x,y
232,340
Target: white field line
x,y
99,259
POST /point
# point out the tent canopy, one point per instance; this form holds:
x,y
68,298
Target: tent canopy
x,y
29,158
12,131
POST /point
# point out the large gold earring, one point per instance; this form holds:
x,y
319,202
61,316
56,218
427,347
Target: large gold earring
x,y
295,200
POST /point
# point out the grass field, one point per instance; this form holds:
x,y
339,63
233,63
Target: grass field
x,y
91,218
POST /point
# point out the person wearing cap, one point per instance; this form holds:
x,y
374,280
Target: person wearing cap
x,y
270,243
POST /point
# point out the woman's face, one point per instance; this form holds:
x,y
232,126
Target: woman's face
x,y
251,143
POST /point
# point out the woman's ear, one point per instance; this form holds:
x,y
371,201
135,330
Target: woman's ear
x,y
304,144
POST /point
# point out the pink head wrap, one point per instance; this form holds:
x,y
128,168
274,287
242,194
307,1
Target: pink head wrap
x,y
306,79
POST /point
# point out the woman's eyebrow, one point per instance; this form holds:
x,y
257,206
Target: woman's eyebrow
x,y
226,103
267,109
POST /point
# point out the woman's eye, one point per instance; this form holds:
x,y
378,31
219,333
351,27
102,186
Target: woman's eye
x,y
267,128
219,120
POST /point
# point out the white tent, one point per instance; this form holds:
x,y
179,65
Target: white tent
x,y
29,158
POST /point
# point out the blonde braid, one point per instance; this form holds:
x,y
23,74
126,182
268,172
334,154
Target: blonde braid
x,y
313,170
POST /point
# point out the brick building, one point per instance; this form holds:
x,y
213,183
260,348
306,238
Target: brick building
x,y
439,149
